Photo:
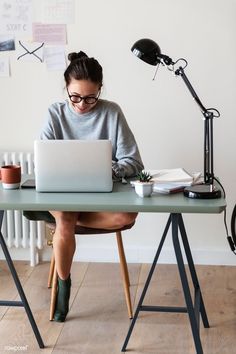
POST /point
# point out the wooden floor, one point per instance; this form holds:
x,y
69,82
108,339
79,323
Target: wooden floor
x,y
98,322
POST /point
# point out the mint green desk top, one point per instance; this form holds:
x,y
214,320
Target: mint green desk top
x,y
123,198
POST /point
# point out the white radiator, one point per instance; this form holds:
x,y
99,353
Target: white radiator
x,y
16,229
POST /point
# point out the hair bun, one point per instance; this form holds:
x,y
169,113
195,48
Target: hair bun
x,y
73,56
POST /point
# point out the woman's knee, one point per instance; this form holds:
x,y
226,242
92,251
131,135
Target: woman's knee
x,y
65,221
124,219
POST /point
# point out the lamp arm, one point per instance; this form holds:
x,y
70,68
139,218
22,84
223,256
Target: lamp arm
x,y
180,72
208,130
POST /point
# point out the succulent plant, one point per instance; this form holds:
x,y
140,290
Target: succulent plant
x,y
144,176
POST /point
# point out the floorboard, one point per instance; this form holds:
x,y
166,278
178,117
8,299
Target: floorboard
x,y
98,321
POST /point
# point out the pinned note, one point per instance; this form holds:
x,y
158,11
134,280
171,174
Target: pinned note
x,y
50,34
54,58
4,67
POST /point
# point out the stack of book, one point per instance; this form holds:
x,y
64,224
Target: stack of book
x,y
174,180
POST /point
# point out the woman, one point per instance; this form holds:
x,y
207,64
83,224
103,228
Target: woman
x,y
85,116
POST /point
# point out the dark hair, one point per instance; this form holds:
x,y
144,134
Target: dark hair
x,y
82,67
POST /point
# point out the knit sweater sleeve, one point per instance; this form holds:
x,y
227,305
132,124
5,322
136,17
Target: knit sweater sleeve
x,y
127,161
53,124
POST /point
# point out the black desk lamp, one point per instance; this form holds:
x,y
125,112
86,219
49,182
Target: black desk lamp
x,y
149,51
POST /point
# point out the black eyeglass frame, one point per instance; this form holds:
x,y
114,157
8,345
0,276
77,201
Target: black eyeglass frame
x,y
87,99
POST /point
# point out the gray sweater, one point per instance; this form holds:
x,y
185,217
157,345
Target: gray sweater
x,y
105,121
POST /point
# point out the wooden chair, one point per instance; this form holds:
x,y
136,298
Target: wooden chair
x,y
79,230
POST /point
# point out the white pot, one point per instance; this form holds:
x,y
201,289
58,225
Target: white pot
x,y
143,189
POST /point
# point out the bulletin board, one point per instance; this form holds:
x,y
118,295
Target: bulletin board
x,y
38,40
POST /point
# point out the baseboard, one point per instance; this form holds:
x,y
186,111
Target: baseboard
x,y
146,255
89,253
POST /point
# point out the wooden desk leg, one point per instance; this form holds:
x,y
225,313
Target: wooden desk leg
x,y
23,302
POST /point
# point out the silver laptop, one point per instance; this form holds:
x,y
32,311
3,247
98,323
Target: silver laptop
x,y
73,165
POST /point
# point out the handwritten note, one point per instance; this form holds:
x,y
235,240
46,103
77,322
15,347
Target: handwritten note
x,y
50,34
16,17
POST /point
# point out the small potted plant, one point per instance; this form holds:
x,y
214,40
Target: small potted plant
x,y
144,184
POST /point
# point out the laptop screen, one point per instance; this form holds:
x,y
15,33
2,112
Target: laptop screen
x,y
73,165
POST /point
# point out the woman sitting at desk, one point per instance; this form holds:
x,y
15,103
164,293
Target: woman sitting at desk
x,y
86,116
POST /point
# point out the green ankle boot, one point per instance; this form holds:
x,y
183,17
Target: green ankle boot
x,y
62,301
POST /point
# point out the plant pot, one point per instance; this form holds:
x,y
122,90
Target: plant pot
x,y
143,189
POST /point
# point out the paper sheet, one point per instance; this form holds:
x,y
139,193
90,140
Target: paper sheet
x,y
4,67
58,11
16,17
55,58
49,34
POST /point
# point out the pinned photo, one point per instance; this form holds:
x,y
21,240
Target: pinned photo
x,y
7,42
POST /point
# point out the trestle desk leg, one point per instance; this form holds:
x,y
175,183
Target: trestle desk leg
x,y
185,286
146,285
193,310
199,304
24,302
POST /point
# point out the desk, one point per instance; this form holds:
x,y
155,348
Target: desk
x,y
123,198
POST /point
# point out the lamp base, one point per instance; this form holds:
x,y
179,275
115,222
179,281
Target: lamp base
x,y
202,191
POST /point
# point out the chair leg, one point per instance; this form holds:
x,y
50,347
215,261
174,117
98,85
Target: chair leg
x,y
124,273
53,293
51,271
52,264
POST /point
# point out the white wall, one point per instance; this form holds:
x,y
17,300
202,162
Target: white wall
x,y
166,122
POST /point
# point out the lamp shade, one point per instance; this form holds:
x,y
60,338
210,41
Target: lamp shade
x,y
147,50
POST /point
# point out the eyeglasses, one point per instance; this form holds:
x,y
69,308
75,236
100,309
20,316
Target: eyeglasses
x,y
87,99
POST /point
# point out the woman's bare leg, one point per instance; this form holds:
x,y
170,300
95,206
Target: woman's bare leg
x,y
64,247
64,241
64,237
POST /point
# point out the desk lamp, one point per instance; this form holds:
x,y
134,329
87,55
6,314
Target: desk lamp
x,y
149,51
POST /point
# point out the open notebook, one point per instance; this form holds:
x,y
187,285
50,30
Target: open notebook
x,y
174,175
73,165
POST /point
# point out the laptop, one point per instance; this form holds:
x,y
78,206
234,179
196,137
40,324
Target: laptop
x,y
73,165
